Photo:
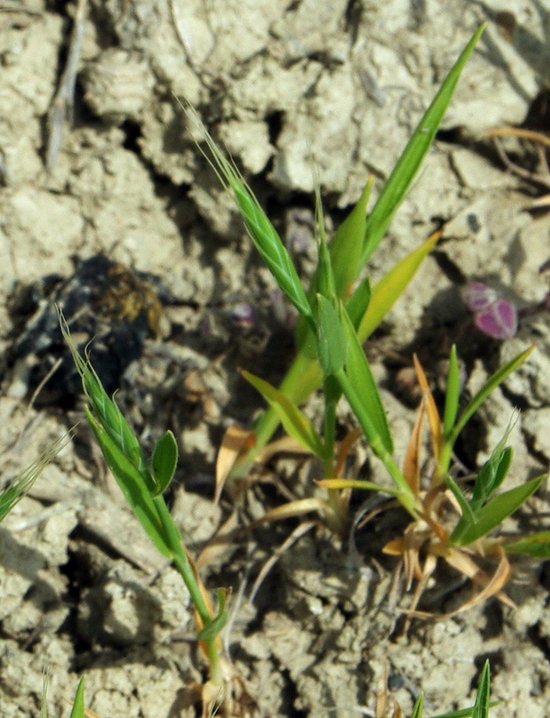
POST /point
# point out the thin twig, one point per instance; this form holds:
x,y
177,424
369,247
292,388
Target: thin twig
x,y
63,101
296,534
520,133
520,171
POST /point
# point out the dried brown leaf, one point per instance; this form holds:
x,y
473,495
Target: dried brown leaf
x,y
433,415
411,463
235,441
300,507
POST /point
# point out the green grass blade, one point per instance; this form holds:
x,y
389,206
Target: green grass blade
x,y
360,376
106,410
325,275
295,422
164,461
408,164
214,627
482,704
418,707
462,713
44,697
358,303
388,290
346,246
497,378
356,484
483,697
452,393
468,516
124,457
332,347
494,512
490,476
78,705
536,545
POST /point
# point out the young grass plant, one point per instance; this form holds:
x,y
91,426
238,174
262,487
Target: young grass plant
x,y
352,245
143,484
334,322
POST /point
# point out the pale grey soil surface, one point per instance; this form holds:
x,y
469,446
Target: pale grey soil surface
x,y
285,86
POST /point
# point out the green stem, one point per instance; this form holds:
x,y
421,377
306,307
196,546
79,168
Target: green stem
x,y
185,569
445,459
329,431
404,493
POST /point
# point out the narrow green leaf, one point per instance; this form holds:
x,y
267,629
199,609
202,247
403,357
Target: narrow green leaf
x,y
326,284
123,455
453,392
497,378
358,371
358,303
331,340
343,253
483,697
388,290
462,713
44,698
490,476
78,705
482,703
418,707
346,246
468,516
536,545
410,160
164,462
493,513
216,624
356,484
294,421
305,375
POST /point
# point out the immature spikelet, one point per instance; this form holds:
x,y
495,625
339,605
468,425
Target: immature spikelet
x,y
105,409
15,491
261,231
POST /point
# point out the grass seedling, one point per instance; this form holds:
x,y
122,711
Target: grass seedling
x,y
143,484
335,320
352,245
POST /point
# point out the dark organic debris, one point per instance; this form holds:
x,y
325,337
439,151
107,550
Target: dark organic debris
x,y
111,310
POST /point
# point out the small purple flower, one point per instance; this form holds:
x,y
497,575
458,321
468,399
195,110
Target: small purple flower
x,y
494,316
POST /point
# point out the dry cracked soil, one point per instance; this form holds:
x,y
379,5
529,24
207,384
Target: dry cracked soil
x,y
109,209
